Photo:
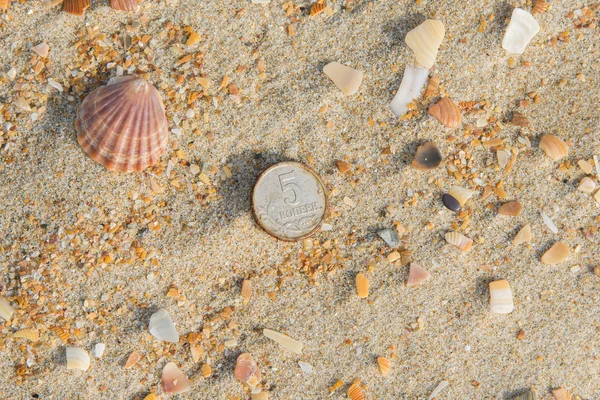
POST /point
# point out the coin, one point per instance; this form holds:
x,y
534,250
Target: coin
x,y
289,201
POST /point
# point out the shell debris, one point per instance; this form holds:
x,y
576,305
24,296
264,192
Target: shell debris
x,y
124,5
161,327
554,147
556,254
427,157
355,391
133,358
362,286
521,29
6,311
412,83
174,380
501,299
447,112
523,236
587,185
384,365
459,241
77,358
284,340
29,334
247,371
425,40
417,275
347,79
76,7
512,209
316,9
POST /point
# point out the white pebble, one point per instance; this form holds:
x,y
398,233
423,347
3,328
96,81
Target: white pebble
x,y
99,349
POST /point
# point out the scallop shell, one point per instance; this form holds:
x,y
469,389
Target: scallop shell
x,y
76,7
384,365
425,41
540,6
30,334
459,241
161,327
554,147
124,5
317,9
6,311
345,78
284,340
247,371
123,125
556,254
587,185
447,112
173,380
362,286
523,236
501,299
355,392
77,358
521,29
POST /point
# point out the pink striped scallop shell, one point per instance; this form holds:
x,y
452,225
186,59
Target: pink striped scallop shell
x,y
123,125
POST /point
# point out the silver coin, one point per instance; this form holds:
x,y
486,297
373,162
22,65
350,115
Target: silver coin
x,y
289,201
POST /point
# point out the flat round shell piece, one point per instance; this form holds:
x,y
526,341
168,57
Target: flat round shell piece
x,y
289,201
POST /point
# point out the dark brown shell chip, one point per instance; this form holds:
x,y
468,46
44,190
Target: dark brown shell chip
x,y
427,157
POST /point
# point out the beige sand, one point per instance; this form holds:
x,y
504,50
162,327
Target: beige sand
x,y
74,234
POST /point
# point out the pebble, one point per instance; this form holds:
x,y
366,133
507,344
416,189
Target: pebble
x,y
390,237
306,367
450,203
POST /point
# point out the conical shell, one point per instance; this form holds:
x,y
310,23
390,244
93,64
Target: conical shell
x,y
523,236
6,311
501,299
556,254
30,334
521,29
461,194
417,275
345,78
587,185
284,340
123,125
247,371
425,41
447,112
355,392
384,365
362,286
173,380
77,358
459,241
162,328
554,147
124,5
76,7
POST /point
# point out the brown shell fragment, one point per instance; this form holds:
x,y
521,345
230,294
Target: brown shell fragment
x,y
362,286
317,9
556,254
76,7
512,209
384,365
519,119
4,4
173,380
152,396
540,6
433,87
29,334
554,147
343,166
124,5
561,394
459,241
123,125
427,157
355,392
447,112
523,236
133,358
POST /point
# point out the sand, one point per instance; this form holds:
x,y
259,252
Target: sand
x,y
95,252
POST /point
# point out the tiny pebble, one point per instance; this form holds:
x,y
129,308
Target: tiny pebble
x,y
389,236
306,367
450,203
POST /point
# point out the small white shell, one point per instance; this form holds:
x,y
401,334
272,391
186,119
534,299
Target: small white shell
x,y
549,223
99,349
461,194
501,299
521,29
77,358
284,340
459,241
162,328
410,88
6,311
345,78
425,40
587,185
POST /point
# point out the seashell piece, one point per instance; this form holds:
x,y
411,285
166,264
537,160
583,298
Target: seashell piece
x,y
459,241
284,340
123,125
152,396
556,254
343,166
410,88
317,9
133,358
77,358
425,40
384,365
461,194
76,7
597,197
523,236
512,209
433,87
549,222
247,289
501,299
173,380
4,4
6,311
554,147
41,49
427,157
345,78
22,104
305,367
447,112
355,392
585,166
161,327
541,6
521,29
587,185
503,157
528,395
259,396
417,275
124,5
441,386
99,350
247,371
362,286
29,334
206,370
561,394
197,352
61,333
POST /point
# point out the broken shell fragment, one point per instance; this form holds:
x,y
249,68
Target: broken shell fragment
x,y
427,157
29,334
284,340
459,241
540,6
447,112
343,166
99,349
417,275
521,29
587,185
433,87
384,365
317,9
161,327
124,5
247,289
6,311
133,358
410,88
173,380
76,7
461,194
123,125
503,158
362,286
4,4
247,371
512,209
528,395
585,166
556,254
425,40
523,236
152,396
355,392
561,394
345,78
77,358
197,352
259,396
390,237
554,147
501,299
41,49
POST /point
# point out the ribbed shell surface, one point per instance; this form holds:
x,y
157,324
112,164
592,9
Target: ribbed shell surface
x,y
124,5
123,125
76,7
